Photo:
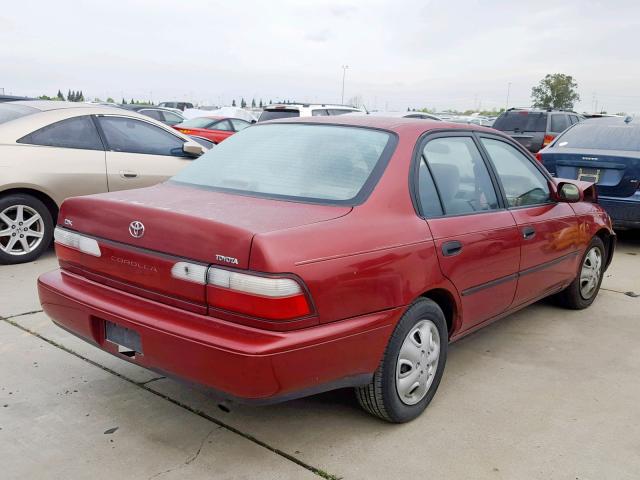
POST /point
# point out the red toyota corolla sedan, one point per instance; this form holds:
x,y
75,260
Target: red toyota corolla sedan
x,y
215,129
311,254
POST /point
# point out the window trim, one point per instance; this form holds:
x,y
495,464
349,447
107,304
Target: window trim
x,y
527,155
103,137
103,149
414,173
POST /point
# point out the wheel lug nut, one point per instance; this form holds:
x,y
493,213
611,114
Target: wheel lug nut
x,y
21,236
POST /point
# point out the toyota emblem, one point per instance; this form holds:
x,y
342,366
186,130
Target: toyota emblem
x,y
136,229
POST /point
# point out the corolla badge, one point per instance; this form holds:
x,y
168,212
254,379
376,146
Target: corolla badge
x,y
136,229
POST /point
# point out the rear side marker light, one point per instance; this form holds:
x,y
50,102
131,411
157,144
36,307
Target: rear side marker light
x,y
190,272
257,296
77,242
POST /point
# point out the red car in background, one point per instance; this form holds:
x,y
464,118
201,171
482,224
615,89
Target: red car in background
x,y
304,255
215,129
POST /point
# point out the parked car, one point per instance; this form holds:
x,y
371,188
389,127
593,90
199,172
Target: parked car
x,y
309,254
292,110
164,115
13,98
605,151
534,128
53,150
377,113
178,105
212,128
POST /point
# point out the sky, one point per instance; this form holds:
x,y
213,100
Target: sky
x,y
460,54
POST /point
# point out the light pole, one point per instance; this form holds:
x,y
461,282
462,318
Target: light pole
x,y
344,73
508,91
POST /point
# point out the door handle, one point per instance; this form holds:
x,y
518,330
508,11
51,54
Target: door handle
x,y
528,233
128,174
451,248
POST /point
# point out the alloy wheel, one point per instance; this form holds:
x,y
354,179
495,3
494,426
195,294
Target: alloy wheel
x,y
21,230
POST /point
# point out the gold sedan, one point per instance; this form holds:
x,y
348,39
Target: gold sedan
x,y
53,150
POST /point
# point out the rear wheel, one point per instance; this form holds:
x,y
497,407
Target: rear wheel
x,y
26,228
585,287
410,370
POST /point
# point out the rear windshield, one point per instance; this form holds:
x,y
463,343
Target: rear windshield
x,y
10,112
201,122
521,122
324,163
282,113
601,137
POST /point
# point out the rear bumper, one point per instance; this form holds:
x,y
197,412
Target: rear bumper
x,y
239,362
625,212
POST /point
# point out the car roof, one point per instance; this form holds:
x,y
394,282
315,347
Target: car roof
x,y
620,121
398,125
46,105
309,105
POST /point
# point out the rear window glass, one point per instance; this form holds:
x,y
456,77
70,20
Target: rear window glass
x,y
521,122
273,114
601,137
201,122
10,112
307,162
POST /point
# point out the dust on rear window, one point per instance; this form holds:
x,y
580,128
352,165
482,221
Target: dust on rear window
x,y
601,137
324,163
521,122
10,112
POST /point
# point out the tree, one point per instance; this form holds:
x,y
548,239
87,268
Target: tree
x,y
253,103
110,100
555,91
80,97
270,102
124,102
69,98
261,103
243,104
60,96
233,102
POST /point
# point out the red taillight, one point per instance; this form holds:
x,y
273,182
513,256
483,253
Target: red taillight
x,y
547,140
262,297
539,157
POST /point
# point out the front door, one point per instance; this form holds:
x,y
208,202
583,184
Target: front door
x,y
476,238
549,231
139,154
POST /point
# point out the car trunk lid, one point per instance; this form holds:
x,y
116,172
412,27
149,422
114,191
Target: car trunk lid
x,y
616,174
143,234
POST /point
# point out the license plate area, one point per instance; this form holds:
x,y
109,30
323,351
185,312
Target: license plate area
x,y
589,174
127,340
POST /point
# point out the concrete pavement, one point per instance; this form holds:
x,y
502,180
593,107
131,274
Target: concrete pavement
x,y
545,393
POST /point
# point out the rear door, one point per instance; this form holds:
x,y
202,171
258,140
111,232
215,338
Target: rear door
x,y
548,230
476,238
139,153
66,157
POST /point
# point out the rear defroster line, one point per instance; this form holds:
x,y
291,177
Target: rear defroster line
x,y
143,385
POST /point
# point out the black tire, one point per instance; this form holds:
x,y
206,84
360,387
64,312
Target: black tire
x,y
380,397
572,296
47,228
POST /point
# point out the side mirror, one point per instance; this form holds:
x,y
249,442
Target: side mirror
x,y
568,192
193,149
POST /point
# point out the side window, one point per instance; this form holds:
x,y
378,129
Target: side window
x,y
319,112
135,136
523,183
172,118
155,114
460,175
77,132
238,124
559,123
338,111
221,125
427,193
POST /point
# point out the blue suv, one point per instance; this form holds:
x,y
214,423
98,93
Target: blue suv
x,y
605,151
